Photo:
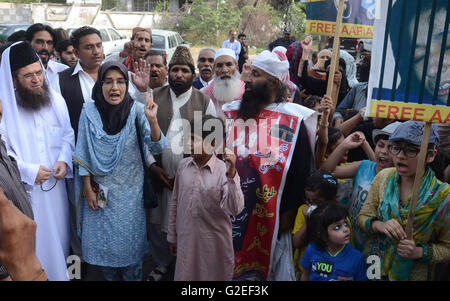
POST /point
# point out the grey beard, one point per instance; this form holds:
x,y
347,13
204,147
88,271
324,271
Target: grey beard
x,y
32,100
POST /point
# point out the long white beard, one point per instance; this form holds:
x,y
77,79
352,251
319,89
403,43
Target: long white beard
x,y
227,90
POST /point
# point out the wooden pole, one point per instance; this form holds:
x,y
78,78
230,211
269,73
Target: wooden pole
x,y
418,180
335,52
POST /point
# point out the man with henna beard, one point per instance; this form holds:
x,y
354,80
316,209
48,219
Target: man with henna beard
x,y
265,99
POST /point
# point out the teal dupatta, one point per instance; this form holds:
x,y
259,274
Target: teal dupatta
x,y
432,194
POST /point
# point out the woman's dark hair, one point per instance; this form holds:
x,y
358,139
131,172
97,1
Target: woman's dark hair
x,y
324,215
323,183
341,63
81,32
39,27
311,101
333,136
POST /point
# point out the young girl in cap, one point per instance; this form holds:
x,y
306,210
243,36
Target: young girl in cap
x,y
330,256
363,172
385,213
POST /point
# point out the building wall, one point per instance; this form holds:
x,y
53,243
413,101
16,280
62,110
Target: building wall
x,y
75,15
11,13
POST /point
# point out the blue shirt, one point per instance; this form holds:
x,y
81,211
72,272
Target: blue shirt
x,y
346,265
235,46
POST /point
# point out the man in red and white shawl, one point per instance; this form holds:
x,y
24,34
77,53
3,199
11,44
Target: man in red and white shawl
x,y
274,144
227,85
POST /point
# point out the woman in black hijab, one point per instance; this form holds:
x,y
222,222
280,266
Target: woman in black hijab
x,y
111,216
114,114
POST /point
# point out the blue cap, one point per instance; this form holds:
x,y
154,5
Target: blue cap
x,y
412,132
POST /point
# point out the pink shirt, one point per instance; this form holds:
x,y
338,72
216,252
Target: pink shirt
x,y
199,222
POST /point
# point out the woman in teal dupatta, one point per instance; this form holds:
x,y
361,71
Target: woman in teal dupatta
x,y
107,157
385,213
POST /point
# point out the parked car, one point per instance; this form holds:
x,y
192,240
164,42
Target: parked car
x,y
112,41
8,29
354,46
348,44
166,41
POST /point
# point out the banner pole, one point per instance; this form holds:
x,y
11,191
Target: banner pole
x,y
335,54
418,180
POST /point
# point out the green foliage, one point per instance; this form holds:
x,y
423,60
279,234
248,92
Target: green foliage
x,y
296,19
33,1
209,21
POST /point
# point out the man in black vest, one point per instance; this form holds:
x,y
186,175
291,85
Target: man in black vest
x,y
76,83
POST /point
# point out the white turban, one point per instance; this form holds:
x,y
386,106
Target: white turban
x,y
272,64
225,51
280,49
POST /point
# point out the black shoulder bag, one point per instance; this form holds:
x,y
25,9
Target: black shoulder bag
x,y
150,199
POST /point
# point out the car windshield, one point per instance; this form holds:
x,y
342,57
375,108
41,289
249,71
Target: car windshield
x,y
3,29
158,42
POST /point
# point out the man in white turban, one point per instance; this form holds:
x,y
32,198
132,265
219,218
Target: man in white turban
x,y
272,174
37,132
227,85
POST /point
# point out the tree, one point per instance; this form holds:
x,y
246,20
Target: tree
x,y
208,22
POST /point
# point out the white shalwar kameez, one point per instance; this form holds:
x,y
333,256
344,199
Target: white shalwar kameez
x,y
41,138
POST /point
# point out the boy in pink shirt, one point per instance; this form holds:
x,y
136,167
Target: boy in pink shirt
x,y
206,193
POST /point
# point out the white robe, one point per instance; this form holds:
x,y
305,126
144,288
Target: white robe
x,y
51,208
41,138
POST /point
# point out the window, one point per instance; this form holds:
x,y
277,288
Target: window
x,y
105,37
179,39
158,42
114,34
172,42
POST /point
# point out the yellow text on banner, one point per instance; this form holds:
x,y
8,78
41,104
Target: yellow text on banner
x,y
348,30
409,111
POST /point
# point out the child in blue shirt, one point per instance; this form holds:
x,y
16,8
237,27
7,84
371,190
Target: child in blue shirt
x,y
330,256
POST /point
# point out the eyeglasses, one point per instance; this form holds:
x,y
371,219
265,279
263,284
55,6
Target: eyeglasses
x,y
52,186
30,76
410,152
110,82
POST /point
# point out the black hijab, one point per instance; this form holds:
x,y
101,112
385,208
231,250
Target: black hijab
x,y
114,117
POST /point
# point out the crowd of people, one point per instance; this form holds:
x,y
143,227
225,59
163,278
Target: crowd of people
x,y
111,160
